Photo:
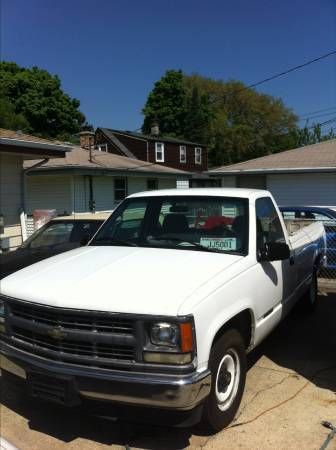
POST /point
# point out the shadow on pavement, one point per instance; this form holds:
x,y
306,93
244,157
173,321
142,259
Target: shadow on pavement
x,y
305,344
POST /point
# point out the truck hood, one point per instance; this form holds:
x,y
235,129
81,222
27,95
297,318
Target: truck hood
x,y
118,279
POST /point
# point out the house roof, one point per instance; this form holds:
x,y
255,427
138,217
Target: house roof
x,y
79,159
31,146
147,137
311,158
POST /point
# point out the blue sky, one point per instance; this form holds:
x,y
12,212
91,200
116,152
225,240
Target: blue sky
x,y
108,53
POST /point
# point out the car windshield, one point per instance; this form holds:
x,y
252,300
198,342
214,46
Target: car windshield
x,y
217,224
61,232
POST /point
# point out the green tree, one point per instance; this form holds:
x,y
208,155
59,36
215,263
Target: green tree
x,y
197,117
166,103
237,123
246,124
37,96
9,119
312,135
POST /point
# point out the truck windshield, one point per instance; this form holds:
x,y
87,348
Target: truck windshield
x,y
216,224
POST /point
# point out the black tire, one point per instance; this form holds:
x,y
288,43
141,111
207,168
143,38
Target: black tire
x,y
309,299
228,374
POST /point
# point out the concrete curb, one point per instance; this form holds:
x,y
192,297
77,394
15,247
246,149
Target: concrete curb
x,y
5,445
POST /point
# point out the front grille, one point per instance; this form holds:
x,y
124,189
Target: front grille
x,y
77,337
76,321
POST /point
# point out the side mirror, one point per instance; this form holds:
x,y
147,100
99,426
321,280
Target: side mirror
x,y
85,240
274,251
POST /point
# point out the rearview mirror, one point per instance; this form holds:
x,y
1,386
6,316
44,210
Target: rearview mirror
x,y
274,251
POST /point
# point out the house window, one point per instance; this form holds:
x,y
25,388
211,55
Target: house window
x,y
120,189
198,155
152,184
159,152
183,154
102,147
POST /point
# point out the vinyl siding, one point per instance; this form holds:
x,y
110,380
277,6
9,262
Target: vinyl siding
x,y
49,192
103,193
81,194
137,184
229,181
303,189
10,199
168,183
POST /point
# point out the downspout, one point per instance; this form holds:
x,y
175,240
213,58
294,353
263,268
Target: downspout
x,y
23,215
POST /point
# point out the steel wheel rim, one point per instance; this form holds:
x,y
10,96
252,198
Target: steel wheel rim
x,y
227,379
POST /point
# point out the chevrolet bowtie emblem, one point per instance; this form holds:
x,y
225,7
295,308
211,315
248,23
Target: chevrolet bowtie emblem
x,y
57,333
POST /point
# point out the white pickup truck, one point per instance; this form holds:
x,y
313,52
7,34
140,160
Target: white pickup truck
x,y
159,310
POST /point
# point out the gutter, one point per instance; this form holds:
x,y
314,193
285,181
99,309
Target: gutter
x,y
274,171
105,171
32,144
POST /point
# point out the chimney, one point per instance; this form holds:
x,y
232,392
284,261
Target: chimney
x,y
155,130
86,139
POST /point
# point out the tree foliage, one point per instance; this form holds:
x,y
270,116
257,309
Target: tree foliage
x,y
237,123
166,104
33,100
312,135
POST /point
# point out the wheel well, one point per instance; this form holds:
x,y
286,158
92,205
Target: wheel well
x,y
242,322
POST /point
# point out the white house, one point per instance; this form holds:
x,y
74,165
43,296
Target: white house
x,y
303,176
93,180
16,147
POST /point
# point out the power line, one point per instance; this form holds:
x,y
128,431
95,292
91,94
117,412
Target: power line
x,y
322,124
278,75
318,111
292,69
317,115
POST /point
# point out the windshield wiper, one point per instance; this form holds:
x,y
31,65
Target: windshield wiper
x,y
110,241
180,240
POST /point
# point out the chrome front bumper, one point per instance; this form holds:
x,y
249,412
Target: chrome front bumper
x,y
182,392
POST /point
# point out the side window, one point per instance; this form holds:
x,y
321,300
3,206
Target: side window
x,y
159,152
120,189
288,215
128,224
152,184
269,227
198,155
322,217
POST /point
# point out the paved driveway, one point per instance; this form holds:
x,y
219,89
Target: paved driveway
x,y
291,388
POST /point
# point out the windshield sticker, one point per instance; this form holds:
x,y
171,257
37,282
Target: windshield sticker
x,y
223,244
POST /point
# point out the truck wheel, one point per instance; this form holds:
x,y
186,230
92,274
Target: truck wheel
x,y
309,300
228,374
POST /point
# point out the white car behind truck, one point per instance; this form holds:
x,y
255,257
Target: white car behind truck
x,y
162,306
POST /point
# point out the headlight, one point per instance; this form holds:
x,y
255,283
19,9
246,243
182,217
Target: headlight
x,y
176,341
166,334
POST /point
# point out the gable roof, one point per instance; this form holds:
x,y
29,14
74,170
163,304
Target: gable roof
x,y
147,137
311,158
28,145
117,143
79,159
